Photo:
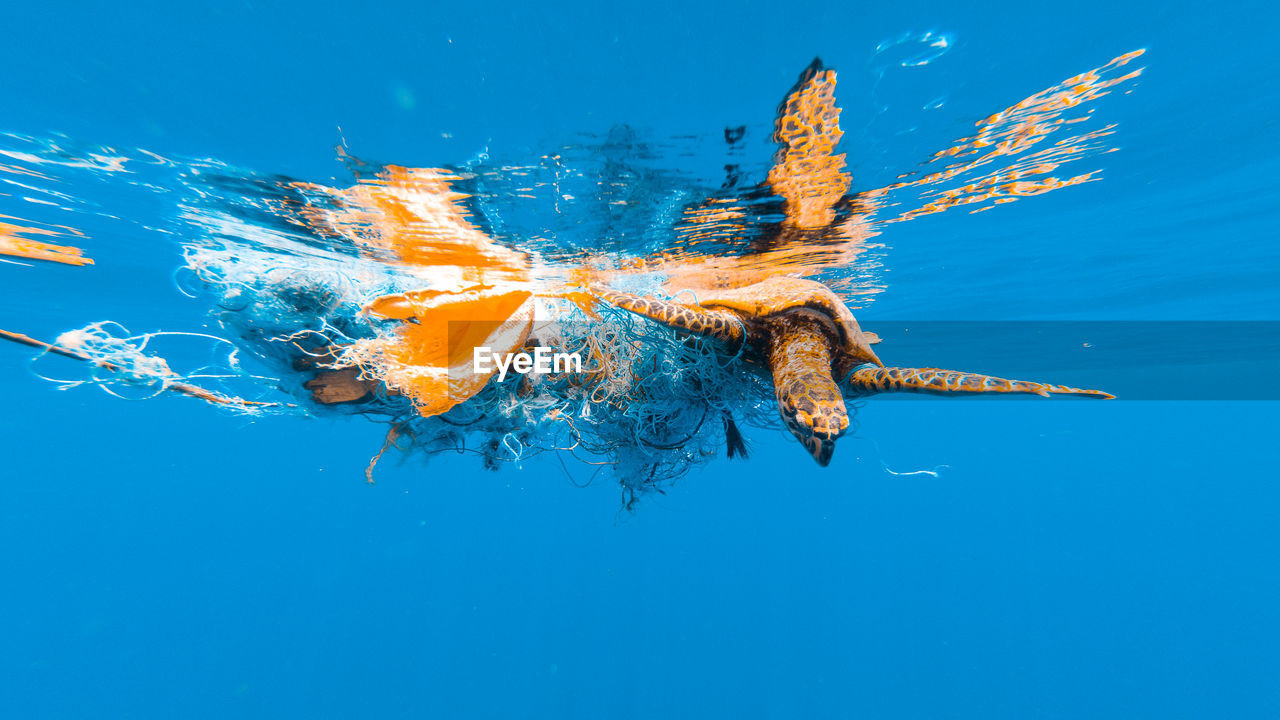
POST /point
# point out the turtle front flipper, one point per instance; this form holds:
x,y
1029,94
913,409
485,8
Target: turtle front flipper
x,y
809,400
870,380
722,325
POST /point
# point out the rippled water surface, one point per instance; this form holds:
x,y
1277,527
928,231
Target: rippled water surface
x,y
203,213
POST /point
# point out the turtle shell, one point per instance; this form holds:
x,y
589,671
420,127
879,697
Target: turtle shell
x,y
783,295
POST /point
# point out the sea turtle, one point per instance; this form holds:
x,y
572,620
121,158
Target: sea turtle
x,y
815,351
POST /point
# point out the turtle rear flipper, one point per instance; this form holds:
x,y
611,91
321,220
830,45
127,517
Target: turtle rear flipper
x,y
735,443
345,385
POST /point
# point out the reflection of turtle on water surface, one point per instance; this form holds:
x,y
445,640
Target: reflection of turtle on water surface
x,y
816,353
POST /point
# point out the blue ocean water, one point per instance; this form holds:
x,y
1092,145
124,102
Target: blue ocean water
x,y
1071,559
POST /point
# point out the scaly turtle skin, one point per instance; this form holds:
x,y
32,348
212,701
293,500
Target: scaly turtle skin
x,y
811,344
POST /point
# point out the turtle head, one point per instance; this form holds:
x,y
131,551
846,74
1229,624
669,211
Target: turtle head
x,y
816,423
811,407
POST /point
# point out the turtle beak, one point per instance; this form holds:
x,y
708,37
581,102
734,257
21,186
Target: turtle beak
x,y
821,449
819,440
821,445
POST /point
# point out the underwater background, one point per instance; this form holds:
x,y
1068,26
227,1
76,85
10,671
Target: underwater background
x,y
959,558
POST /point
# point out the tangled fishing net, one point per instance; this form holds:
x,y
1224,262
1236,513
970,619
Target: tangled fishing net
x,y
648,404
132,367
